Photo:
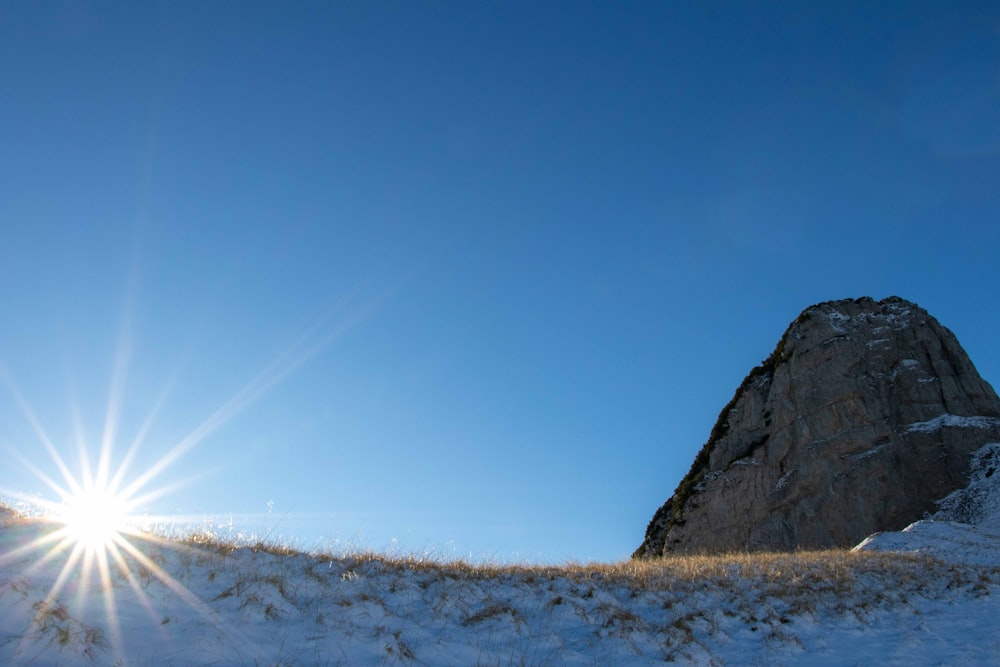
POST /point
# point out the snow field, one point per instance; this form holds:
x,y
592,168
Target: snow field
x,y
268,605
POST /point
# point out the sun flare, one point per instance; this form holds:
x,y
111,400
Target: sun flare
x,y
94,517
100,531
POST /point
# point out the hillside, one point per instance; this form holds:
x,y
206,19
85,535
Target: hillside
x,y
205,602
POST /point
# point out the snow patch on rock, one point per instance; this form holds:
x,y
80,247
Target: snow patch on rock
x,y
978,503
966,528
952,421
867,454
838,320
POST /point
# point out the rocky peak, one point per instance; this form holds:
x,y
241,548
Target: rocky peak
x,y
865,414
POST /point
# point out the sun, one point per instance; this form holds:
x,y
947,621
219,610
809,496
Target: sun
x,y
94,517
101,526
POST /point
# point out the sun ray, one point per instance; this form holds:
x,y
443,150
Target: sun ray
x,y
165,490
110,602
61,492
111,417
126,571
140,436
39,431
77,552
180,590
79,436
91,566
86,572
309,343
96,535
123,352
34,545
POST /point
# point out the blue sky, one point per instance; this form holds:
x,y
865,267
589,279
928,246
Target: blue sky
x,y
467,277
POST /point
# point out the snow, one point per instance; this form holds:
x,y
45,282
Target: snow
x,y
949,541
898,318
210,604
929,594
979,502
953,421
838,320
782,482
867,454
966,528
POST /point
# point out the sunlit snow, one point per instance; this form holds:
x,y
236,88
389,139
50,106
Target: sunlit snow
x,y
929,594
209,603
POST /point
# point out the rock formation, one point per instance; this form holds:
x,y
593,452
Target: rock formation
x,y
866,413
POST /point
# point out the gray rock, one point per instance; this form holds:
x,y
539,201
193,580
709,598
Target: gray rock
x,y
865,414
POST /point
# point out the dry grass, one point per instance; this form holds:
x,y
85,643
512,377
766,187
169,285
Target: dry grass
x,y
9,516
834,571
207,540
763,591
823,570
829,567
822,567
666,608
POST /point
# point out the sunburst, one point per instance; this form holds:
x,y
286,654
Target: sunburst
x,y
94,521
96,534
95,517
97,537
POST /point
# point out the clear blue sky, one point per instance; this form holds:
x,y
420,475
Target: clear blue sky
x,y
485,272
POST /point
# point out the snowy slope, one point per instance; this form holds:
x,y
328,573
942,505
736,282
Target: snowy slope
x,y
979,503
927,595
966,528
207,604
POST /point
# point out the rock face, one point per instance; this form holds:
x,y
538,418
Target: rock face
x,y
865,414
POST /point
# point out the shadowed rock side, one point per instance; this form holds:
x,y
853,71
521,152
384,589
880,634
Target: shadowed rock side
x,y
865,414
